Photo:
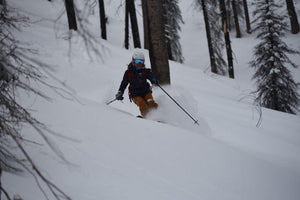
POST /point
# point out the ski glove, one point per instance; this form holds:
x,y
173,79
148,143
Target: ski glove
x,y
154,81
119,95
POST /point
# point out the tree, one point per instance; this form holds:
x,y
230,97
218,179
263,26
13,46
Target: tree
x,y
2,2
215,40
145,24
18,69
236,19
227,38
126,41
173,19
209,39
293,16
276,88
134,24
158,48
71,14
218,38
102,19
247,18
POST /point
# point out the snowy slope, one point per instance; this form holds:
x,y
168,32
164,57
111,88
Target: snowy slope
x,y
114,155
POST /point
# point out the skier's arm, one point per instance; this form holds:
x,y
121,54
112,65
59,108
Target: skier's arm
x,y
151,77
124,82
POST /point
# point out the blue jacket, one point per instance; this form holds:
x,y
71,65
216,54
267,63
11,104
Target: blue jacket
x,y
137,80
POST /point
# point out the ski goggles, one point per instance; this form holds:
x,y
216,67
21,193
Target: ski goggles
x,y
137,61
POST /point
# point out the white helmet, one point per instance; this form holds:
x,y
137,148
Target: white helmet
x,y
138,55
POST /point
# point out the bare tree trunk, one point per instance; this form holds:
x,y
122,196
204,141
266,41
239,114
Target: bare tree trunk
x,y
134,24
247,18
71,14
293,16
158,47
0,176
126,42
228,13
146,25
236,19
227,39
102,19
3,3
208,35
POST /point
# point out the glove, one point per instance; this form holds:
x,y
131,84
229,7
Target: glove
x,y
154,81
119,95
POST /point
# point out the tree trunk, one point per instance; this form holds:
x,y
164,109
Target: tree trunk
x,y
0,176
146,25
228,13
208,35
247,18
102,19
134,24
158,48
236,20
126,42
227,38
71,14
3,3
293,16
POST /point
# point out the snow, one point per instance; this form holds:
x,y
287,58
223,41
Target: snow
x,y
113,155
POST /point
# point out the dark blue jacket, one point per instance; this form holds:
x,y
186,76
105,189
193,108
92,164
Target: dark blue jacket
x,y
137,80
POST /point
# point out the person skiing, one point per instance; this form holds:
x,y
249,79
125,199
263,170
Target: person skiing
x,y
139,88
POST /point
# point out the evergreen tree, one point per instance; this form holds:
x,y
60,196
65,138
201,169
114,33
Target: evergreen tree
x,y
126,41
236,18
157,42
208,36
276,88
293,16
145,24
213,27
173,19
225,28
134,24
71,14
102,19
218,38
247,18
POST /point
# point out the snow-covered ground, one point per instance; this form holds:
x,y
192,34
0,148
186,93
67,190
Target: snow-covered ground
x,y
113,155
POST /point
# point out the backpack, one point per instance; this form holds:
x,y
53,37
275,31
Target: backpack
x,y
138,81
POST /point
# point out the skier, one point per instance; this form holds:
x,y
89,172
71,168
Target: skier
x,y
139,89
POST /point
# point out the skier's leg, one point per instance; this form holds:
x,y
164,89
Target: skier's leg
x,y
150,101
142,104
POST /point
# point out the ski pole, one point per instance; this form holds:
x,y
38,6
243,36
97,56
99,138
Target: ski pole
x,y
111,101
195,121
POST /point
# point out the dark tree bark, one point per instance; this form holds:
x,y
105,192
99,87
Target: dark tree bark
x,y
145,23
71,14
0,173
293,16
3,3
228,13
102,19
158,48
227,38
134,24
208,35
236,19
247,18
126,42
